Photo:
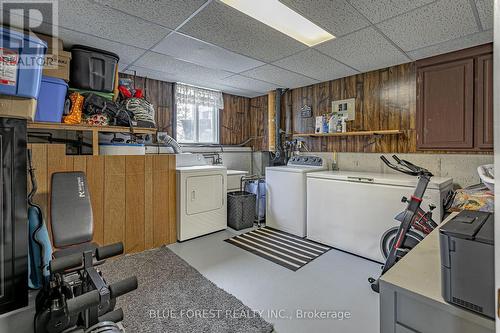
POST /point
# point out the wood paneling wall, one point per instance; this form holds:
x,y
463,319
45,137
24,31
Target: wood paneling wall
x,y
258,123
133,197
160,94
234,120
385,99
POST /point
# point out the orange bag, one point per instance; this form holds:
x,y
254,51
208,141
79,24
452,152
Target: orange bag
x,y
75,113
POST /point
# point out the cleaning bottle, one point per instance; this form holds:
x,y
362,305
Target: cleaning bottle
x,y
339,126
325,124
332,124
319,124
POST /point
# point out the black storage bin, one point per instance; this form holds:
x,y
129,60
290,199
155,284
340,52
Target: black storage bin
x,y
92,69
240,209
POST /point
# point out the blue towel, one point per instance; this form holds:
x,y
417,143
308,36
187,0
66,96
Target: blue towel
x,y
38,267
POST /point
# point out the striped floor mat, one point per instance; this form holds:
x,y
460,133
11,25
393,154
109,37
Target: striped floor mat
x,y
280,247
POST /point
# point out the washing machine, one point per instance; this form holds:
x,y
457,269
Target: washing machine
x,y
201,196
286,193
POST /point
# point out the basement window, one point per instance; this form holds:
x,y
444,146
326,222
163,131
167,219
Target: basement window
x,y
197,114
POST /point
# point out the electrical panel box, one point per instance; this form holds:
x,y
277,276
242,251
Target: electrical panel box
x,y
345,108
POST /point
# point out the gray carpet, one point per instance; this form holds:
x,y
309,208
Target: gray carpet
x,y
174,297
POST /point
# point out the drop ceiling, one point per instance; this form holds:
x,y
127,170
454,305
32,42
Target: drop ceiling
x,y
209,44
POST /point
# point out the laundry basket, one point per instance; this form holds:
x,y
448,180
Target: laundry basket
x,y
240,209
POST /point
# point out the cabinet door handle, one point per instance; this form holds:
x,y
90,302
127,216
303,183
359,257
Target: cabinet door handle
x,y
193,195
498,304
360,179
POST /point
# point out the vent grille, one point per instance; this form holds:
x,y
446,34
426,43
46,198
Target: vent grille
x,y
468,305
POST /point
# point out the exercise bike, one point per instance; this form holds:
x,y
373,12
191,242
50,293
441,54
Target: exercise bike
x,y
415,222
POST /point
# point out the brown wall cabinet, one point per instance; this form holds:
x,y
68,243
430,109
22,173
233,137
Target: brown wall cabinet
x,y
455,101
484,102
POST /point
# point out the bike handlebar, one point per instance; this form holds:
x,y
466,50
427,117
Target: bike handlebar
x,y
405,167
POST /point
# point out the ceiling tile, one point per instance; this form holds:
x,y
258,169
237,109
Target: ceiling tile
x,y
226,27
166,13
193,50
453,45
337,17
189,79
364,50
226,89
315,65
149,73
380,10
178,68
101,21
240,92
485,10
249,94
242,82
126,53
432,24
17,22
282,77
122,66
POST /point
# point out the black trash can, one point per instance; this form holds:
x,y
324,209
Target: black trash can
x,y
240,209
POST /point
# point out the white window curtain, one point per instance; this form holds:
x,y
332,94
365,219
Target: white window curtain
x,y
197,113
187,94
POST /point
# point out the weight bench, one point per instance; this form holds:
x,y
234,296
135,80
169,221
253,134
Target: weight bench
x,y
77,298
71,214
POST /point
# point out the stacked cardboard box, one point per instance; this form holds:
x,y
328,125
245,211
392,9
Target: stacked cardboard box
x,y
17,107
56,60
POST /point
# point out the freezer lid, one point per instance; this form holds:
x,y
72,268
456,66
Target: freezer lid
x,y
380,178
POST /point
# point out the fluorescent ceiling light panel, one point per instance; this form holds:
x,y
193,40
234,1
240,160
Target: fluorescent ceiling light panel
x,y
282,18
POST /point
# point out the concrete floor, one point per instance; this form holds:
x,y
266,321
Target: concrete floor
x,y
336,281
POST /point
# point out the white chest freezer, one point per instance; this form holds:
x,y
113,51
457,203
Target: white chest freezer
x,y
351,211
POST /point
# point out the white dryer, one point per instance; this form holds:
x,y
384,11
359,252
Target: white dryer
x,y
201,197
286,193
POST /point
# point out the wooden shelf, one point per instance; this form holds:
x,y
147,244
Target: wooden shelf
x,y
355,133
94,129
87,128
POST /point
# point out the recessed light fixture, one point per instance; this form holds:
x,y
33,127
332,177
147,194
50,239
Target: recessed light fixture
x,y
280,17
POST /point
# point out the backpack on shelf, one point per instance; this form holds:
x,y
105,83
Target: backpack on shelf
x,y
97,105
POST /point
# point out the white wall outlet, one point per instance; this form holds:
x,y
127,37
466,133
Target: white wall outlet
x,y
345,108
